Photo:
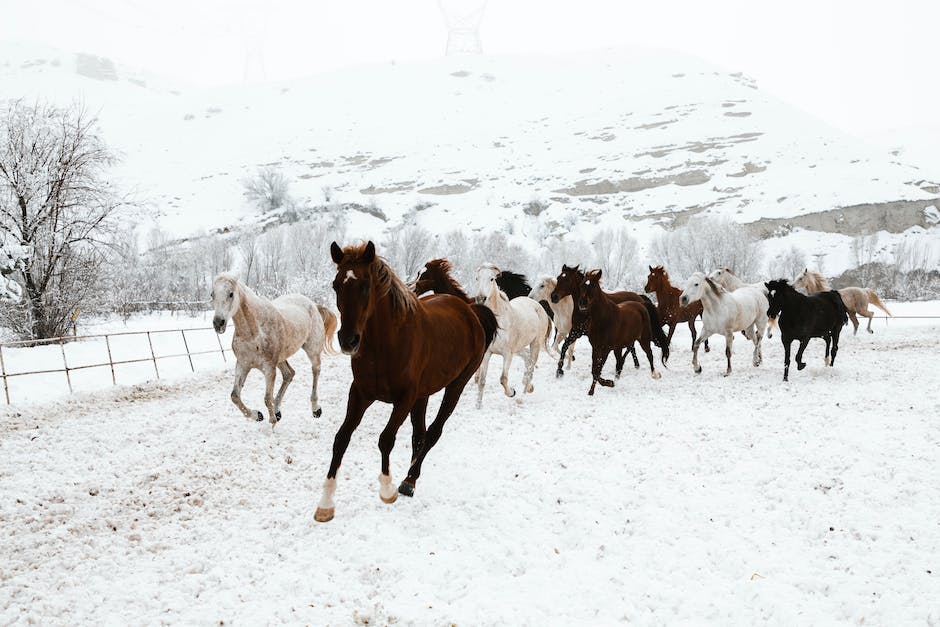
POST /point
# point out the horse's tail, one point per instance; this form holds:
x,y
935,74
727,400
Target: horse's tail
x,y
549,326
488,320
329,329
840,305
873,297
656,328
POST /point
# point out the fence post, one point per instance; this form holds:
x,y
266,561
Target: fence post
x,y
153,356
107,342
186,346
3,371
222,350
65,363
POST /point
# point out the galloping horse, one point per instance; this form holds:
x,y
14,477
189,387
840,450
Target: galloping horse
x,y
403,350
667,303
615,326
726,313
522,324
562,312
569,283
267,333
856,299
726,278
803,317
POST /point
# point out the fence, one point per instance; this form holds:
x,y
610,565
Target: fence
x,y
67,370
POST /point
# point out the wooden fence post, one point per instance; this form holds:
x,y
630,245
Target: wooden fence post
x,y
3,371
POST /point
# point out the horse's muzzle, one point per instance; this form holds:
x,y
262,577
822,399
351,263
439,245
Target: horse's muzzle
x,y
219,324
684,301
350,345
555,298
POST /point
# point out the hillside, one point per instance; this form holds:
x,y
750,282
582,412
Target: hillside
x,y
535,147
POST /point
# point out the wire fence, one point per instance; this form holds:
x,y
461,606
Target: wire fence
x,y
154,357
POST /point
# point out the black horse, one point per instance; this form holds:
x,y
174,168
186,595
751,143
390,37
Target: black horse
x,y
802,317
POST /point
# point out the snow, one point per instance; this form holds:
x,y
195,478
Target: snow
x,y
685,500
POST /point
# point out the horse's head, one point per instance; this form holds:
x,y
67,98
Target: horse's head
x,y
543,289
354,286
694,289
226,299
590,289
485,278
776,292
568,283
724,277
431,276
656,280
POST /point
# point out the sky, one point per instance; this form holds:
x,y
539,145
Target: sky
x,y
869,68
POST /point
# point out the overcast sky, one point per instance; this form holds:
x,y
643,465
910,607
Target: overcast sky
x,y
866,67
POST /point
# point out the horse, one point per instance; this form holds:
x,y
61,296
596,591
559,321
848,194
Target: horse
x,y
436,277
267,333
403,349
667,303
614,326
803,317
569,283
562,312
856,299
726,313
522,323
726,278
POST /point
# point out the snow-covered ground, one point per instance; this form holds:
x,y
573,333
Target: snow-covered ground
x,y
692,499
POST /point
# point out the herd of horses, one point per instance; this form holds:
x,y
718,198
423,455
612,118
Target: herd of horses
x,y
406,344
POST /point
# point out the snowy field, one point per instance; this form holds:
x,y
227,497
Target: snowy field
x,y
692,499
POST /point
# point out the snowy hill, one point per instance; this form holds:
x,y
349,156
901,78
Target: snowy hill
x,y
535,147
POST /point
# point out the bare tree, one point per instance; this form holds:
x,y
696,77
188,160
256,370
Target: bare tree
x,y
56,201
248,251
788,264
408,248
615,251
705,244
268,189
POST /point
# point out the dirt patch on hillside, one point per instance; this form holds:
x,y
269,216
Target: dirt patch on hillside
x,y
636,184
893,217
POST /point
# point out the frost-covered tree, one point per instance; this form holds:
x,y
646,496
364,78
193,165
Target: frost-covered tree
x,y
787,265
268,189
705,244
13,258
57,202
615,251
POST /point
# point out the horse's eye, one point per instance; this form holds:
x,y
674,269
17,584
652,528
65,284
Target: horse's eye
x,y
231,294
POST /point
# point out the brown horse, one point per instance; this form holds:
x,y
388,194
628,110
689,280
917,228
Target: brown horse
x,y
614,326
436,277
667,303
404,349
569,283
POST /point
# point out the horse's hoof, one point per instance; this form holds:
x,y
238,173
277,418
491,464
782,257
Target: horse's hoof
x,y
607,383
656,375
529,388
708,350
512,393
323,514
277,416
726,373
698,370
317,412
391,499
801,366
786,378
259,416
591,392
406,488
559,373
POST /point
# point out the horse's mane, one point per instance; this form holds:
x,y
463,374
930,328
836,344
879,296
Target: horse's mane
x,y
501,299
388,283
814,280
444,268
514,278
665,272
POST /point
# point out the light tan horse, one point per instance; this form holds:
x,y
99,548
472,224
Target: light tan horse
x,y
267,333
856,299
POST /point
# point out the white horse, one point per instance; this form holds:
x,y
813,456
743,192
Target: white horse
x,y
522,323
267,333
726,313
726,278
563,311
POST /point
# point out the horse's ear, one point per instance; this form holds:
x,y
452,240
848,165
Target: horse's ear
x,y
368,256
565,268
651,268
336,252
767,285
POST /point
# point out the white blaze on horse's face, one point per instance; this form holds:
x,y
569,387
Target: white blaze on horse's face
x,y
486,282
224,301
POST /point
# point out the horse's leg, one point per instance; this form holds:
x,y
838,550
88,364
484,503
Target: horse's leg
x,y
448,403
531,359
868,314
701,338
598,359
400,410
287,373
313,354
854,320
800,364
787,341
620,357
569,342
481,377
504,375
645,345
828,339
835,343
241,373
270,374
636,362
356,406
729,340
418,428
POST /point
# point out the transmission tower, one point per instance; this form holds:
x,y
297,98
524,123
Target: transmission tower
x,y
463,18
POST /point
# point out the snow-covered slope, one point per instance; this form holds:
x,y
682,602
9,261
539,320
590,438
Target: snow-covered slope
x,y
644,138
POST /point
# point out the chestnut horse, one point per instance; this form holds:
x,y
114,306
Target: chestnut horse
x,y
404,349
569,283
667,303
614,326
